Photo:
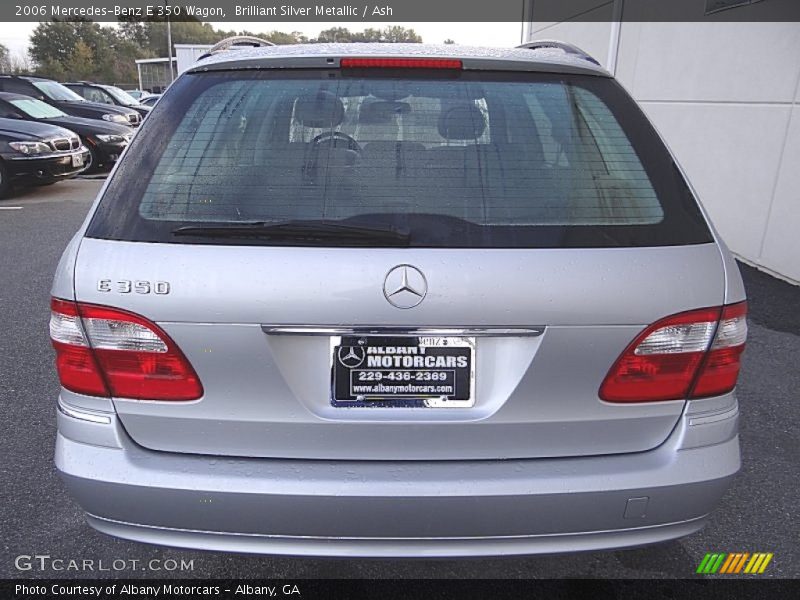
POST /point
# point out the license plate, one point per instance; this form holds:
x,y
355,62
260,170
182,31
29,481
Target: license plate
x,y
407,371
77,160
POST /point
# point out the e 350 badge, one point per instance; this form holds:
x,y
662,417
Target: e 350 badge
x,y
133,286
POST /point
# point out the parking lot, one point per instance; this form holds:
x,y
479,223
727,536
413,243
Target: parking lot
x,y
759,514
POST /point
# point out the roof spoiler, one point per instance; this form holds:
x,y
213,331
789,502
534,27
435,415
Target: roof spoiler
x,y
236,41
563,46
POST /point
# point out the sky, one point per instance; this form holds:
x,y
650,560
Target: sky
x,y
15,35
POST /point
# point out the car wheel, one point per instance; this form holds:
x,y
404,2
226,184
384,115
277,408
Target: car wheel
x,y
92,163
5,181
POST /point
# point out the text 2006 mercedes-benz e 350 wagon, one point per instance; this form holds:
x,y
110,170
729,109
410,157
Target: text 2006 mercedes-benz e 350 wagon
x,y
397,300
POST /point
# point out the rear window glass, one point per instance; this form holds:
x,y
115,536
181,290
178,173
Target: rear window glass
x,y
462,160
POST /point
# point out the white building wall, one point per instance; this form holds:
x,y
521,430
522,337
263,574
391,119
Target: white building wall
x,y
187,54
726,97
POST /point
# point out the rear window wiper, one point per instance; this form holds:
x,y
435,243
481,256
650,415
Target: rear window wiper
x,y
297,229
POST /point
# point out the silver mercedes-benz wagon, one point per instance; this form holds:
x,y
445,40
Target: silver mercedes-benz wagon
x,y
397,300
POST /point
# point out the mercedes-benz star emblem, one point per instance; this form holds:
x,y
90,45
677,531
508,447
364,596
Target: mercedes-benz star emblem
x,y
405,286
351,356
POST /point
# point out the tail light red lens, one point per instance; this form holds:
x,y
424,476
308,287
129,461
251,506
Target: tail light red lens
x,y
400,63
103,351
689,355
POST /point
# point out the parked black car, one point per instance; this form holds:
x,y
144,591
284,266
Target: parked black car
x,y
108,94
105,141
66,100
38,153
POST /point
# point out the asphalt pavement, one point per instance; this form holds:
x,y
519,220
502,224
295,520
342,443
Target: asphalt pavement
x,y
37,517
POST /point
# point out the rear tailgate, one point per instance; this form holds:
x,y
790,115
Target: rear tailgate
x,y
270,395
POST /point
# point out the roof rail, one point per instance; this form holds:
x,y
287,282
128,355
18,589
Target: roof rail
x,y
565,47
236,41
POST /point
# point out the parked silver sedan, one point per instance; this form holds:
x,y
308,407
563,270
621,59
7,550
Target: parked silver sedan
x,y
397,300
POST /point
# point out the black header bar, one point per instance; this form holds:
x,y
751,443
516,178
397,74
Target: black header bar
x,y
397,11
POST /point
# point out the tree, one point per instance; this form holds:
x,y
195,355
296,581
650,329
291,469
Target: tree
x,y
279,37
86,50
81,63
120,65
397,34
135,32
52,69
151,36
335,34
368,35
21,63
387,34
11,63
55,41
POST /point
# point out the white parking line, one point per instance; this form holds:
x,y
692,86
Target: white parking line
x,y
10,208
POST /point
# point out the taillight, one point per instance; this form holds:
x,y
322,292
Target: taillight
x,y
75,362
103,351
400,63
693,354
720,369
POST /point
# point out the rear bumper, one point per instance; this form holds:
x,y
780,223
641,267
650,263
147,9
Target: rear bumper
x,y
382,508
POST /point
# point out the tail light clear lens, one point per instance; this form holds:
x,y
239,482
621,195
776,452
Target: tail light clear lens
x,y
103,351
689,355
720,370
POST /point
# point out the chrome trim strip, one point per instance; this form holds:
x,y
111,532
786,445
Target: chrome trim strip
x,y
381,330
82,415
